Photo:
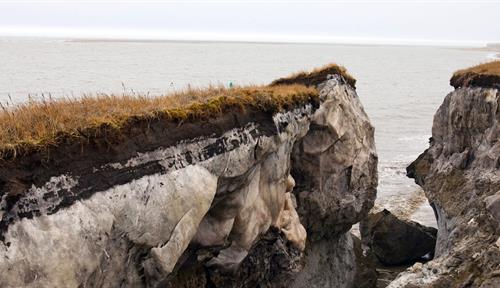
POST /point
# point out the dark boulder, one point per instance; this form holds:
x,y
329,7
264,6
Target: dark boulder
x,y
395,241
273,262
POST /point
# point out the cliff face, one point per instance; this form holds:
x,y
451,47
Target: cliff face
x,y
335,167
204,204
460,174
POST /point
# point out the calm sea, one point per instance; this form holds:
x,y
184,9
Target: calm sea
x,y
401,87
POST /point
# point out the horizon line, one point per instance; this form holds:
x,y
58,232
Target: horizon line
x,y
141,35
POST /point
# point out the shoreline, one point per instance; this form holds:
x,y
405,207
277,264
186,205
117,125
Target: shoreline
x,y
327,42
494,56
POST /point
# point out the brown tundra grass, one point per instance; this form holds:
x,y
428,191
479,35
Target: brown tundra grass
x,y
490,68
316,76
483,75
38,124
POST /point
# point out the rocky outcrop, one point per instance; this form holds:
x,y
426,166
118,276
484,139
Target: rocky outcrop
x,y
460,173
331,159
486,75
196,204
397,242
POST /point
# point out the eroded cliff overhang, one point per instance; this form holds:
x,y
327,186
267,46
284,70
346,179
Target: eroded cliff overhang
x,y
485,75
460,175
199,201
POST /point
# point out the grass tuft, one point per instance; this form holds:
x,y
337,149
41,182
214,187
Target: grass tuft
x,y
483,75
489,68
316,76
39,124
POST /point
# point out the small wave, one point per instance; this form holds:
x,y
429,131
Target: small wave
x,y
403,206
493,56
387,169
420,138
390,171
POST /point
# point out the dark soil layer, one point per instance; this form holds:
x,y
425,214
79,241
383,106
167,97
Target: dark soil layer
x,y
475,80
80,157
37,125
316,77
485,75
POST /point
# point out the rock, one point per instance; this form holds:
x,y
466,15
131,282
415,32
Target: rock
x,y
337,154
366,273
493,206
324,257
460,176
192,204
272,262
395,241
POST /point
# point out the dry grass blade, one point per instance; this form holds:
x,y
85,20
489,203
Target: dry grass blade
x,y
41,123
483,75
489,68
316,76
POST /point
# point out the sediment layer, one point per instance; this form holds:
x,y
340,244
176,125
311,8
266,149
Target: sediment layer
x,y
195,203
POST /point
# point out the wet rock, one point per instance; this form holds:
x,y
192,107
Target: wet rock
x,y
395,241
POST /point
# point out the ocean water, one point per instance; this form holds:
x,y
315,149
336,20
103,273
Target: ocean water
x,y
400,87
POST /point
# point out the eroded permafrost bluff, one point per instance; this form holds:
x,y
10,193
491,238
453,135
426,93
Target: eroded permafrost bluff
x,y
460,174
245,197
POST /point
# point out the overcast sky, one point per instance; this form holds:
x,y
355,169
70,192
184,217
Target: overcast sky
x,y
441,22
